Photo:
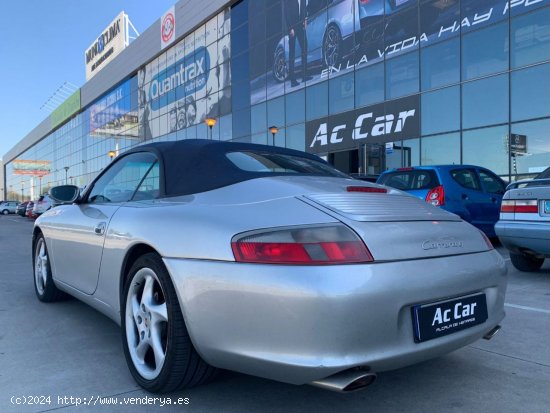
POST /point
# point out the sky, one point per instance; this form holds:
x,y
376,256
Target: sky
x,y
43,44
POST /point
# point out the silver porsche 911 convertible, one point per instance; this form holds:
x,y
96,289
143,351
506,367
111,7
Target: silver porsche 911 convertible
x,y
265,261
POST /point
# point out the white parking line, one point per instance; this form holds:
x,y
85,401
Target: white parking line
x,y
522,307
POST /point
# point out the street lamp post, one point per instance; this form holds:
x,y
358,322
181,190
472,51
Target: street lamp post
x,y
274,130
22,189
210,122
66,173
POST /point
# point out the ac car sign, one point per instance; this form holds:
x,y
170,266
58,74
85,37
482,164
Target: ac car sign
x,y
386,122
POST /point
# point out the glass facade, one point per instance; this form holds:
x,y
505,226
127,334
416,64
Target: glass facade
x,y
393,83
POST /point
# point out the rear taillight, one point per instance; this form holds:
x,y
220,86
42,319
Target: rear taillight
x,y
436,196
368,189
320,245
487,240
529,206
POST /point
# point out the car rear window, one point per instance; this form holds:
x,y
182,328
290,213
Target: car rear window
x,y
411,180
544,174
277,163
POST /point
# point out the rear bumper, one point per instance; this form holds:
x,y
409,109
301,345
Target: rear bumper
x,y
300,324
518,236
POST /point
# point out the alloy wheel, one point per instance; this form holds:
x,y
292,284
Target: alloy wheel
x,y
146,323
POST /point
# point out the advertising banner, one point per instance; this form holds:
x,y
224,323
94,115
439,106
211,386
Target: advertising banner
x,y
66,109
320,39
32,168
112,115
168,28
385,122
188,83
107,46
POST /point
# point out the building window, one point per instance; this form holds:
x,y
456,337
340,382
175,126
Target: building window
x,y
485,102
441,149
295,106
485,51
369,85
536,156
317,101
402,76
441,64
531,38
441,111
486,147
341,93
531,93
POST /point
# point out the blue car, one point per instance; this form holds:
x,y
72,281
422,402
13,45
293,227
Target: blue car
x,y
471,192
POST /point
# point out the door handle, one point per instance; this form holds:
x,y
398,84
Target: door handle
x,y
493,200
464,196
100,228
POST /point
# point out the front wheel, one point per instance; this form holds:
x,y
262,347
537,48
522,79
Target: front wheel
x,y
280,67
526,263
157,346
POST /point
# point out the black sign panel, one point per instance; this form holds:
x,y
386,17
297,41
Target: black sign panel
x,y
386,122
518,144
439,319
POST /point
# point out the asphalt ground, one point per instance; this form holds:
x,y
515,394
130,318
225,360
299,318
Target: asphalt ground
x,y
68,357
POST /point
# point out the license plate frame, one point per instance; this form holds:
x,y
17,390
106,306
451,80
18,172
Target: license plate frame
x,y
441,318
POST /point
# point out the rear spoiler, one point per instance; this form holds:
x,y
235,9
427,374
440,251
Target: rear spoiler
x,y
528,182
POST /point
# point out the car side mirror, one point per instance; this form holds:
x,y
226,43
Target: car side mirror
x,y
65,194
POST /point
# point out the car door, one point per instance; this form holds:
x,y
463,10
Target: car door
x,y
493,188
78,231
468,195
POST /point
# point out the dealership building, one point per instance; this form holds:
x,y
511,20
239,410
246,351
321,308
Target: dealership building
x,y
366,84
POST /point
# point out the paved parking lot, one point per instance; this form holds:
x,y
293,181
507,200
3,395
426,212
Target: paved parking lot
x,y
52,352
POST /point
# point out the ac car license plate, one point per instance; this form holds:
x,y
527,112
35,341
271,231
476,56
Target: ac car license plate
x,y
439,319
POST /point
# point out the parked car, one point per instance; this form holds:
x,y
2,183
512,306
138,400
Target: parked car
x,y
524,225
471,192
8,207
28,212
21,208
42,204
267,261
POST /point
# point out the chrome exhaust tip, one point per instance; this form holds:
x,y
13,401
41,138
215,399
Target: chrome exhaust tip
x,y
346,381
492,333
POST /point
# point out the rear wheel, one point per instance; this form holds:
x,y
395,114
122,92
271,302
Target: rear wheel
x,y
45,289
5,212
332,47
156,343
527,263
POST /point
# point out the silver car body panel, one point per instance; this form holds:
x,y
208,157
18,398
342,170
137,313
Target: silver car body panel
x,y
520,232
291,323
302,324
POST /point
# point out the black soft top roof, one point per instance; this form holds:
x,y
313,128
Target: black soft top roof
x,y
198,165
